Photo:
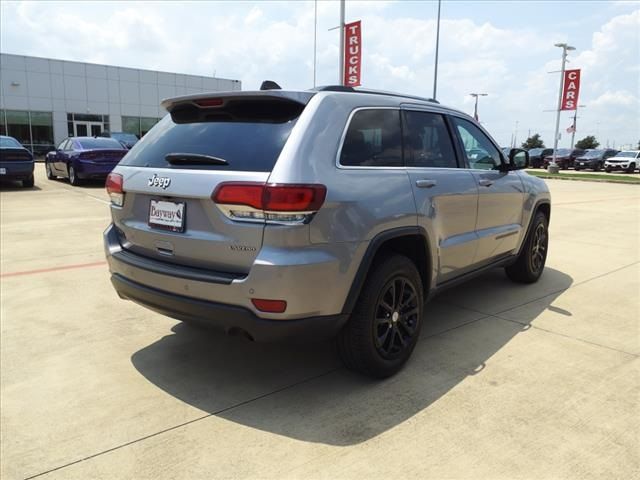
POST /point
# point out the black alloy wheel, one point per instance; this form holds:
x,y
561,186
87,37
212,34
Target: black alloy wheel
x,y
396,318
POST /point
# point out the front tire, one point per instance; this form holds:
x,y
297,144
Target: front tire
x,y
385,324
47,168
632,168
530,263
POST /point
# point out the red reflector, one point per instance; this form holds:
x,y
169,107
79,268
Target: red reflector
x,y
271,197
114,183
209,102
270,306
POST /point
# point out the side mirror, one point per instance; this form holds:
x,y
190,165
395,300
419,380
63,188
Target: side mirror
x,y
518,159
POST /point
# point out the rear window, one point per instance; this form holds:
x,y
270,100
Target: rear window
x,y
99,143
9,142
247,143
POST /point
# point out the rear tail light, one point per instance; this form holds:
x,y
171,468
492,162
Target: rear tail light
x,y
269,306
209,102
114,186
288,203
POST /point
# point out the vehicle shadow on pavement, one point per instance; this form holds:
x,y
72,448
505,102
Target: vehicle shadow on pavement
x,y
16,187
302,392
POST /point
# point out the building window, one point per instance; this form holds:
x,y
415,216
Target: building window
x,y
139,126
34,130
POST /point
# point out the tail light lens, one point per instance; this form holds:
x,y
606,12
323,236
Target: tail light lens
x,y
114,186
290,203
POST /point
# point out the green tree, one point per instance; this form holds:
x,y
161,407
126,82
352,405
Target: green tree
x,y
587,142
534,141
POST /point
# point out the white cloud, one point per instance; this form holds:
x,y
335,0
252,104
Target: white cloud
x,y
253,42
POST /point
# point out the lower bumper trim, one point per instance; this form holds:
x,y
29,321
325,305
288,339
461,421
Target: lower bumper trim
x,y
228,318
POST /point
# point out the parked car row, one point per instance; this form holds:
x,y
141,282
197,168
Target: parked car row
x,y
607,159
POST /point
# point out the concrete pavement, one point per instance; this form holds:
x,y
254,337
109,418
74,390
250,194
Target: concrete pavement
x,y
507,381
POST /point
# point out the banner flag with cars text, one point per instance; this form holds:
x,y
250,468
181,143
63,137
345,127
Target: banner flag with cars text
x,y
570,89
352,54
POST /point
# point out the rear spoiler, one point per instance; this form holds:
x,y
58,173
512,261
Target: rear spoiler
x,y
267,106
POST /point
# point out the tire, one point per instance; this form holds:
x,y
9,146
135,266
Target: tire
x,y
47,168
632,168
577,169
378,340
597,167
73,176
29,182
530,262
608,170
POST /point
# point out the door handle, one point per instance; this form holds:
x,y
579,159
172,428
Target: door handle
x,y
485,182
425,183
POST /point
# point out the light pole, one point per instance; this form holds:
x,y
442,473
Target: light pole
x,y
515,135
475,108
553,167
435,68
575,119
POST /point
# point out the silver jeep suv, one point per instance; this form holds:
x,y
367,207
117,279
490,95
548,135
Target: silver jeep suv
x,y
331,212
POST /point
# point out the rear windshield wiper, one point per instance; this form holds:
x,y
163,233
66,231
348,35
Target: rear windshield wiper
x,y
193,159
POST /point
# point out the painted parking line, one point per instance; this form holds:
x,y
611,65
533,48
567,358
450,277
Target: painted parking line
x,y
53,269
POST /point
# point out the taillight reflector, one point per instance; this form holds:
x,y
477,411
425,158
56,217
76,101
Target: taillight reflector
x,y
269,306
271,197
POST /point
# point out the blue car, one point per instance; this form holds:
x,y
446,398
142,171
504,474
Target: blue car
x,y
16,162
82,158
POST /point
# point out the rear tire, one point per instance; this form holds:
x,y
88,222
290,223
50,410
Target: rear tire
x,y
385,324
73,176
29,182
530,263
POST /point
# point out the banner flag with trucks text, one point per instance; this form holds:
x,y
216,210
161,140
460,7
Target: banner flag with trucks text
x,y
352,54
570,89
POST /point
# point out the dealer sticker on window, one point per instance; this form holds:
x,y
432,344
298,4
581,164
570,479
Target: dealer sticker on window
x,y
167,215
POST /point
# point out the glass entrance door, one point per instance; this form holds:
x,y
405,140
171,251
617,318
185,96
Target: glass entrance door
x,y
87,129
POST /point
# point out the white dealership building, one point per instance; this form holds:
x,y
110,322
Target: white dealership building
x,y
43,101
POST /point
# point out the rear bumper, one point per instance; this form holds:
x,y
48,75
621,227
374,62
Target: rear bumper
x,y
16,170
89,169
227,318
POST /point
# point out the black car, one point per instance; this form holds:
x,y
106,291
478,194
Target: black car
x,y
16,162
128,140
536,156
593,159
565,157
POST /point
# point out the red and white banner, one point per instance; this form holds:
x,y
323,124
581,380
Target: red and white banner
x,y
352,54
570,89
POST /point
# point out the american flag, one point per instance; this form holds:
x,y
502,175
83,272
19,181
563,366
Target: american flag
x,y
571,129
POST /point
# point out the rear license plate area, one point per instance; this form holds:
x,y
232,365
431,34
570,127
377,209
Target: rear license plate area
x,y
166,215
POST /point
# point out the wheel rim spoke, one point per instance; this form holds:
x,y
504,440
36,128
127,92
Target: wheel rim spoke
x,y
396,318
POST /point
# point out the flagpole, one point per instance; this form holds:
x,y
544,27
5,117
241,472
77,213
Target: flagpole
x,y
341,69
315,39
575,119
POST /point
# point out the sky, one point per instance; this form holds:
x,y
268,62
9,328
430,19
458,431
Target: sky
x,y
502,48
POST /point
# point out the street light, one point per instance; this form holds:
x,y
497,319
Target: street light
x,y
553,166
475,108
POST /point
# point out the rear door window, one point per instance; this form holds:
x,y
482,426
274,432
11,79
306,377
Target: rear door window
x,y
373,139
427,141
247,144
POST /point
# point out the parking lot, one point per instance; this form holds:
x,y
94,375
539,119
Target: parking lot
x,y
507,381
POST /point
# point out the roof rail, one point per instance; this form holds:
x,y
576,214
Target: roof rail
x,y
342,88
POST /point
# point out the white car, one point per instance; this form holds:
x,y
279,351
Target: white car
x,y
627,160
